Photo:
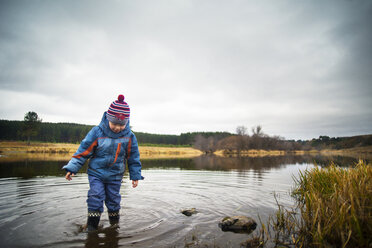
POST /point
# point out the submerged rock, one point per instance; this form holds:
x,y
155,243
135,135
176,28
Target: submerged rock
x,y
189,212
238,224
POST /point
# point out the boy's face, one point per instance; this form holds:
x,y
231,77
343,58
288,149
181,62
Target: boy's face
x,y
116,128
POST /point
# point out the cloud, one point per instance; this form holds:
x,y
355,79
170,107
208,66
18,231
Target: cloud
x,y
300,69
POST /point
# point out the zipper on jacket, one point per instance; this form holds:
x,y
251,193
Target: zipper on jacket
x,y
117,153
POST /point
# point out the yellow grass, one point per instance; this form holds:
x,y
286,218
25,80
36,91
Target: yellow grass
x,y
357,152
168,152
336,205
22,156
15,146
53,151
333,209
57,151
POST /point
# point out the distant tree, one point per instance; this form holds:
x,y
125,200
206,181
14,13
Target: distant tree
x,y
201,143
257,137
257,131
31,124
229,144
242,139
241,130
206,144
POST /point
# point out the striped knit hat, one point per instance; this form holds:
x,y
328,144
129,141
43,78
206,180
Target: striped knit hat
x,y
118,111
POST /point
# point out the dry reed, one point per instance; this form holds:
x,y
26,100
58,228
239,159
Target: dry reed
x,y
336,205
334,209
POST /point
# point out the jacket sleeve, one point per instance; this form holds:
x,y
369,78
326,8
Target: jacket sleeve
x,y
133,159
84,152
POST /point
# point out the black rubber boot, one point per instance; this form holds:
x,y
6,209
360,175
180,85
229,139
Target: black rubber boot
x,y
114,217
93,220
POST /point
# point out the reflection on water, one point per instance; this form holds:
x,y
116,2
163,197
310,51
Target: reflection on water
x,y
30,169
106,238
38,207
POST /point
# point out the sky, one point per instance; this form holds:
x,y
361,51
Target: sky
x,y
300,69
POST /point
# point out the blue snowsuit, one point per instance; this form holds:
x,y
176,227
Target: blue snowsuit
x,y
108,153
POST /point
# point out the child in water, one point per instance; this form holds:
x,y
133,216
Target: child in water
x,y
110,145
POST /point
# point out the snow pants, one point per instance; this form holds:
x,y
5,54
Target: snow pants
x,y
100,191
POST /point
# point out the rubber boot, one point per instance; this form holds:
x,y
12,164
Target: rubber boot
x,y
114,218
93,220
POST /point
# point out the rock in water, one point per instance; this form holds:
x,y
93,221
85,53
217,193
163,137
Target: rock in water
x,y
238,224
189,212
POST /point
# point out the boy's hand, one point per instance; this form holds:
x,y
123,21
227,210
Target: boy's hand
x,y
134,183
69,176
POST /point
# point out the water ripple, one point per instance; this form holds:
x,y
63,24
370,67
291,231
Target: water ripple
x,y
150,214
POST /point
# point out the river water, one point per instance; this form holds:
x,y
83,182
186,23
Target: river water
x,y
39,208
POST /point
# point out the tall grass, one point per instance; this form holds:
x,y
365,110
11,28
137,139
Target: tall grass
x,y
336,205
334,209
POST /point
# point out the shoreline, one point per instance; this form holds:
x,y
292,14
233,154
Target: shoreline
x,y
356,152
13,150
64,151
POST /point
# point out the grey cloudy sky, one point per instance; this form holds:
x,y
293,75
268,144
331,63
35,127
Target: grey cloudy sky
x,y
298,68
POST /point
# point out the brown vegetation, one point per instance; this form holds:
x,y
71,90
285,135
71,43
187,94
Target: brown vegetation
x,y
364,152
244,144
36,147
168,152
19,150
334,210
261,144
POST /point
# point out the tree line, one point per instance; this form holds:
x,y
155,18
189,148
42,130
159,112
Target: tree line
x,y
184,139
45,132
32,128
242,141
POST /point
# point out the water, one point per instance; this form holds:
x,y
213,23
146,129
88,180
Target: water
x,y
39,208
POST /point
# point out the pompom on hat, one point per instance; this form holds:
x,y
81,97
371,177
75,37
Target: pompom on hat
x,y
118,111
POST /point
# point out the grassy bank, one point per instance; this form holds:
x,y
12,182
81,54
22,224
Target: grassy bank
x,y
334,210
9,147
168,152
357,152
18,150
361,152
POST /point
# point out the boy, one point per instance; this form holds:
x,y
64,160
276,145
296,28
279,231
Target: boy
x,y
109,146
